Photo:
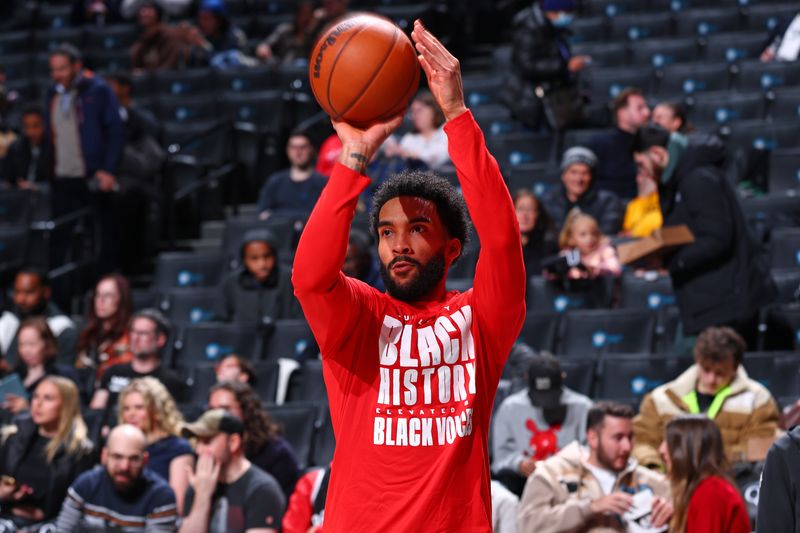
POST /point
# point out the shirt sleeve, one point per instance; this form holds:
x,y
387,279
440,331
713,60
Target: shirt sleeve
x,y
265,506
163,517
507,452
499,286
71,511
331,301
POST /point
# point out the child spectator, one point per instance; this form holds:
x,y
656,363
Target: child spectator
x,y
597,255
37,349
29,162
536,231
103,342
146,404
42,455
262,287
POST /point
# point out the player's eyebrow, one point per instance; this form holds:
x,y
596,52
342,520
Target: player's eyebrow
x,y
416,220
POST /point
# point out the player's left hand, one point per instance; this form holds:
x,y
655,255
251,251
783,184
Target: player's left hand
x,y
442,70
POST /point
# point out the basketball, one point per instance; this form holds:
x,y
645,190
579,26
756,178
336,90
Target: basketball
x,y
363,69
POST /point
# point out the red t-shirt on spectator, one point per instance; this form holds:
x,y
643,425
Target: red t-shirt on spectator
x,y
717,507
411,385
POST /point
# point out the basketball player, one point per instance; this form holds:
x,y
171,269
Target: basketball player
x,y
412,373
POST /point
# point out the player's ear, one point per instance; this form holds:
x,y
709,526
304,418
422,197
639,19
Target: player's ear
x,y
452,249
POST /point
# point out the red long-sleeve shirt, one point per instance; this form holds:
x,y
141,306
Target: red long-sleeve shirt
x,y
411,385
716,507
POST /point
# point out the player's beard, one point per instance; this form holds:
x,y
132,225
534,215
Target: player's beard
x,y
428,276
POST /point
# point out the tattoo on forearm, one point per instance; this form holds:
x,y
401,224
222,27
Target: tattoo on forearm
x,y
362,161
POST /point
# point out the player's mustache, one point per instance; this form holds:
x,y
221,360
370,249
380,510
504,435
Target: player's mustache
x,y
405,258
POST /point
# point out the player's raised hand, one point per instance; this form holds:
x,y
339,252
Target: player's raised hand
x,y
442,70
360,144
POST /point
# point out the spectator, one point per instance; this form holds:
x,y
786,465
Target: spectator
x,y
263,444
235,368
104,340
38,349
706,498
262,287
146,404
306,509
160,46
215,40
427,142
359,263
95,12
82,114
592,490
716,385
672,117
141,129
328,154
542,64
291,42
616,169
643,213
721,278
228,493
31,298
779,497
539,238
121,494
504,509
148,332
294,190
597,255
535,423
578,189
29,162
42,455
783,43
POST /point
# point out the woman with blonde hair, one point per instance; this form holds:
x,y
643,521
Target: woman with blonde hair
x,y
146,404
42,455
705,498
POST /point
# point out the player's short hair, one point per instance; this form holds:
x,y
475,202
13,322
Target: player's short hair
x,y
425,184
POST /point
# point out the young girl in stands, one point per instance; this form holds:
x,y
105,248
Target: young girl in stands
x,y
264,445
582,234
104,340
705,498
37,348
146,404
42,455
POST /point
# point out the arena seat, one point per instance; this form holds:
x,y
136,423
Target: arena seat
x,y
781,327
757,76
590,29
787,281
324,440
282,229
298,422
690,78
777,371
307,385
188,269
209,343
522,148
537,178
638,26
764,17
627,378
116,37
245,80
580,374
17,42
193,82
786,105
540,330
544,295
46,41
658,53
194,305
733,47
292,339
589,333
638,292
16,207
784,170
715,109
187,108
263,108
668,323
202,377
604,84
785,248
707,21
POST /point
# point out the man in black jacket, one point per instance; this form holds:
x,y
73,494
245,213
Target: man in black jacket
x,y
541,57
720,278
577,190
779,497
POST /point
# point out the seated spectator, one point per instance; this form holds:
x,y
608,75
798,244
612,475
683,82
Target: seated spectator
x,y
121,494
42,455
360,263
147,404
706,498
672,117
616,170
294,190
643,213
783,43
29,162
31,298
228,493
717,386
160,46
539,238
578,189
427,142
104,340
581,489
37,348
291,41
504,509
535,423
305,512
262,287
263,444
597,255
148,332
542,62
216,40
235,368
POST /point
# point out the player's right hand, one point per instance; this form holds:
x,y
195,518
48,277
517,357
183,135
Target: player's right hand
x,y
359,144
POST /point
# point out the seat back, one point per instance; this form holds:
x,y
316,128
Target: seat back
x,y
590,333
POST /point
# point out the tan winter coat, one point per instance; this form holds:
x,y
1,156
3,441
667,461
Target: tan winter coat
x,y
748,419
559,493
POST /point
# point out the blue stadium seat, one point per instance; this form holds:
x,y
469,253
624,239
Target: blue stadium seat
x,y
536,178
707,21
588,333
550,296
291,339
777,371
306,384
690,78
766,17
635,27
637,292
604,84
784,170
14,242
668,323
16,207
246,80
115,37
184,82
209,343
540,330
785,248
766,213
782,327
202,377
17,42
580,374
106,61
47,41
757,76
589,29
187,108
482,89
186,269
18,67
195,305
627,378
659,53
787,281
715,109
733,47
263,108
786,105
522,148
298,422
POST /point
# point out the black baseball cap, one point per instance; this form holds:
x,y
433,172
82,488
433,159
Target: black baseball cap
x,y
545,381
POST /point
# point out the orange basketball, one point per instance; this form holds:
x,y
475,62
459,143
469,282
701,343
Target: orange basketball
x,y
363,69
